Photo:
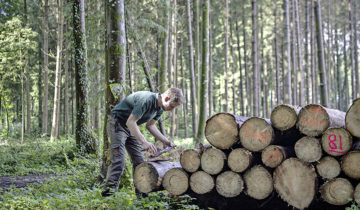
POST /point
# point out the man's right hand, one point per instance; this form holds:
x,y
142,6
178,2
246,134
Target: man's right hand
x,y
150,147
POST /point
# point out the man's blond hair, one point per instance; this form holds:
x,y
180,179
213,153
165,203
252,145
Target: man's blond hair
x,y
175,95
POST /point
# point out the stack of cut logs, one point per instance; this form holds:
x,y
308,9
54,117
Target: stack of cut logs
x,y
302,154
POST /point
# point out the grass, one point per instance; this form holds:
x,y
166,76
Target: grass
x,y
75,187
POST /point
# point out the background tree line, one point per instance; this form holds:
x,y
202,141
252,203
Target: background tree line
x,y
243,57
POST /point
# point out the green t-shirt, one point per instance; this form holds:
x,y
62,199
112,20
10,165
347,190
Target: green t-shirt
x,y
142,104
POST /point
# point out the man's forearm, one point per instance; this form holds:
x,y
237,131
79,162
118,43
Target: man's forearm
x,y
135,131
156,133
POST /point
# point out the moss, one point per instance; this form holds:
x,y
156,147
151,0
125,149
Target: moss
x,y
116,50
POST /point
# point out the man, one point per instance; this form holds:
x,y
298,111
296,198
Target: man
x,y
134,110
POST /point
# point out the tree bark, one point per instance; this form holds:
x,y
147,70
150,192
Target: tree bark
x,y
56,110
147,175
307,66
300,55
255,58
192,73
46,64
183,87
276,51
288,92
226,107
294,54
241,87
204,72
320,51
247,71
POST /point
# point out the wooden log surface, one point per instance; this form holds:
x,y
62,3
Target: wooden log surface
x,y
328,167
239,159
352,119
213,161
308,149
229,184
337,191
190,160
357,194
283,117
176,181
295,182
273,155
148,175
314,119
350,164
201,182
256,134
259,182
222,129
336,141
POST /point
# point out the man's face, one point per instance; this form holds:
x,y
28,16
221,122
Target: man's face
x,y
169,106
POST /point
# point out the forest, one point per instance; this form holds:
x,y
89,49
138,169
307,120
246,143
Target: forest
x,y
64,64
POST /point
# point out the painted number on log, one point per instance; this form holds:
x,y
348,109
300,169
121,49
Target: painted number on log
x,y
310,121
333,145
262,136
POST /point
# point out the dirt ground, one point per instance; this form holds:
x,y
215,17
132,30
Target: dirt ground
x,y
22,181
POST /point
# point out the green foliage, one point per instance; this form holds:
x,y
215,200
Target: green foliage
x,y
75,185
353,206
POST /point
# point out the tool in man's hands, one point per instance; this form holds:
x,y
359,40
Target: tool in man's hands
x,y
160,152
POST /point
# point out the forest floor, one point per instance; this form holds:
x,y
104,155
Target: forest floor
x,y
23,181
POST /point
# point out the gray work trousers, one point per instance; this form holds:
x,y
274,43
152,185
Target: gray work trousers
x,y
121,138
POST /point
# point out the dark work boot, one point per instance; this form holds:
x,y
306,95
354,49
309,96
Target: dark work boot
x,y
107,192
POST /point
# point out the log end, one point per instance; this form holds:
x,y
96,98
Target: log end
x,y
272,156
259,182
221,130
313,120
357,194
145,177
176,181
201,182
328,167
190,160
350,164
283,117
239,160
336,141
308,149
256,134
229,184
213,161
295,182
337,191
352,119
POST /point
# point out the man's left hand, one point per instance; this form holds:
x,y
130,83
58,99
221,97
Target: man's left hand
x,y
168,143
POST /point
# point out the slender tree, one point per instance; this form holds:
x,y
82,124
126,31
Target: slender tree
x,y
300,55
192,73
226,106
320,50
288,92
240,68
276,51
255,58
204,71
308,82
46,64
56,110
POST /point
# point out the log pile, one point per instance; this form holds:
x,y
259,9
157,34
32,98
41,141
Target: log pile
x,y
299,158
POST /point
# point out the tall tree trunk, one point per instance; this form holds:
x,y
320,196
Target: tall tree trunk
x,y
321,67
66,88
211,95
356,58
174,70
56,110
352,54
300,56
346,77
183,87
164,52
115,63
197,48
276,51
307,84
255,58
288,92
27,81
85,141
192,73
241,88
313,56
46,66
247,72
338,64
233,68
204,71
40,87
99,72
226,107
294,54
